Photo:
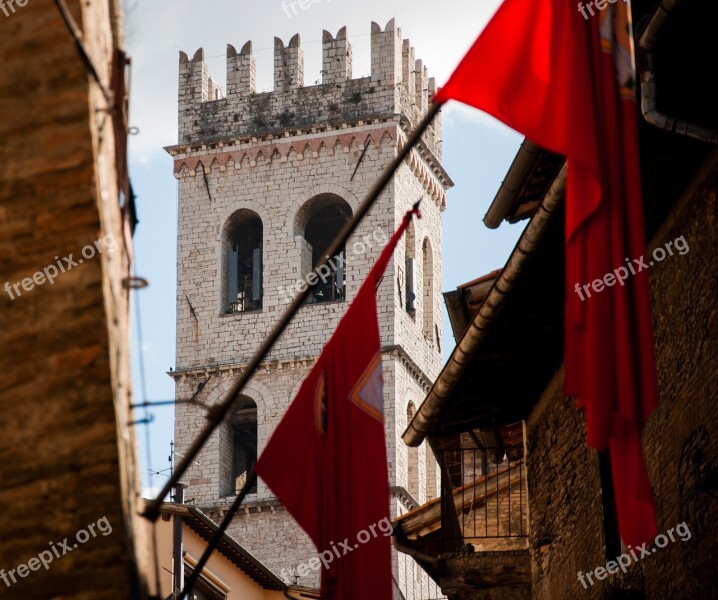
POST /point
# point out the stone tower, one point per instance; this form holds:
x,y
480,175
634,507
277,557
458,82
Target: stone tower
x,y
266,180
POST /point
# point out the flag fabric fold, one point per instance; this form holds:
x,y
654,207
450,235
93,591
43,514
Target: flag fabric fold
x,y
568,84
326,461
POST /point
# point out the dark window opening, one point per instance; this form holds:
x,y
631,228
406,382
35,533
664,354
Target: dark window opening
x,y
410,269
610,517
204,589
244,444
322,228
410,293
244,262
428,288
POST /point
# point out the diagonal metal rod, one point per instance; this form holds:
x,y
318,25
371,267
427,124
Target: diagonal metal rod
x,y
217,537
218,412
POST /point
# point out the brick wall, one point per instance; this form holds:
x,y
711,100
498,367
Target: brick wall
x,y
565,513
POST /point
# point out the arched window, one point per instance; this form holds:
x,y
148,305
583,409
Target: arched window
x,y
242,288
318,222
408,292
427,291
243,443
412,476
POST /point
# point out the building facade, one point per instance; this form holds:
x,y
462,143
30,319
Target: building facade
x,y
507,370
69,463
231,572
266,181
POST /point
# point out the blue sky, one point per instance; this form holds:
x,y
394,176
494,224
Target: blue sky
x,y
477,149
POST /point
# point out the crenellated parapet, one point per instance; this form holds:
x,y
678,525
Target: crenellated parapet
x,y
336,57
288,65
398,86
241,71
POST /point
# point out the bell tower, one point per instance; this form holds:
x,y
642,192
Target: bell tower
x,y
266,180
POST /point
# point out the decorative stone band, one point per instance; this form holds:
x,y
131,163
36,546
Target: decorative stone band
x,y
249,153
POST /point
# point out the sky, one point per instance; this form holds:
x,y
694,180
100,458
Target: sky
x,y
477,149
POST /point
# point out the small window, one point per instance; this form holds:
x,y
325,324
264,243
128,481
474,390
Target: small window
x,y
427,291
409,252
412,475
243,247
244,444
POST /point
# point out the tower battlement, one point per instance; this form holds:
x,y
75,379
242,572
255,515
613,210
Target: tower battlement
x,y
398,85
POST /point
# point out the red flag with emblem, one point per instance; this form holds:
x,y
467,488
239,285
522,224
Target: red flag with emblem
x,y
563,75
326,461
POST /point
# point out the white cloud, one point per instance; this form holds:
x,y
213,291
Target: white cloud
x,y
150,493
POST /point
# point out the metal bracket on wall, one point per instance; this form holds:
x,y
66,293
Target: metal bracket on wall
x,y
206,182
361,158
191,309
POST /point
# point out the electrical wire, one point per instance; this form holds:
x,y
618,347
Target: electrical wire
x,y
84,55
148,441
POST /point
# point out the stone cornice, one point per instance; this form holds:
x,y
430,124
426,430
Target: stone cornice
x,y
427,156
307,144
205,147
232,369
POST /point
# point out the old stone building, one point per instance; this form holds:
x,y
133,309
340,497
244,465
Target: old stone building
x,y
507,368
67,457
266,180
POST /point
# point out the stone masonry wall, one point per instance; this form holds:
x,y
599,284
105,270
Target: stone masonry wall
x,y
564,491
67,456
681,438
399,84
272,153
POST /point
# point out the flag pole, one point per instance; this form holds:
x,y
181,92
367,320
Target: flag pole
x,y
217,537
218,412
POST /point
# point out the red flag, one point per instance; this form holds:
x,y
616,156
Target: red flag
x,y
326,461
568,83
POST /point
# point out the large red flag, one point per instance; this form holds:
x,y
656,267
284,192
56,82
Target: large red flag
x,y
326,461
567,81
